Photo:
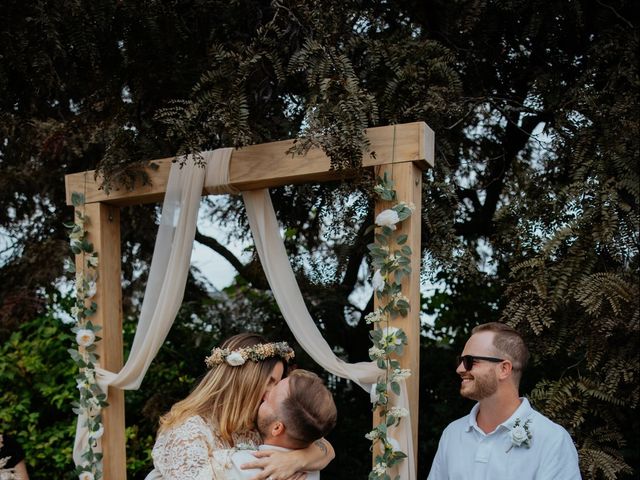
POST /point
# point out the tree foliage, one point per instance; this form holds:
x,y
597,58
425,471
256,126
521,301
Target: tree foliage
x,y
530,215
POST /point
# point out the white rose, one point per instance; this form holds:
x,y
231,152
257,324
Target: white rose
x,y
86,476
85,337
390,331
377,281
387,218
518,435
390,334
235,359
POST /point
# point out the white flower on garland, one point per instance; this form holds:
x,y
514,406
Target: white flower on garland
x,y
235,359
520,434
390,336
375,317
399,297
380,468
373,434
86,476
400,374
398,412
375,353
85,337
388,339
377,282
93,407
387,218
90,375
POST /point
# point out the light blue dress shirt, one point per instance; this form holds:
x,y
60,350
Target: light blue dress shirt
x,y
465,452
239,458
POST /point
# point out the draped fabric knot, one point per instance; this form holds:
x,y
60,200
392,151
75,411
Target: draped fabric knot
x,y
217,177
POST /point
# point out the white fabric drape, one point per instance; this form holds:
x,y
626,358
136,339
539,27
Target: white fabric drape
x,y
276,265
167,279
168,275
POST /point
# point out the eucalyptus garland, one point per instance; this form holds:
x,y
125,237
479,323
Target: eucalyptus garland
x,y
92,399
391,260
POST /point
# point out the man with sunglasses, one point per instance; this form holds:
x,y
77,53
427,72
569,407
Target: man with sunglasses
x,y
502,438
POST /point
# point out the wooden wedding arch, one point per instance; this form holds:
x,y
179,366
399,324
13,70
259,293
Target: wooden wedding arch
x,y
403,151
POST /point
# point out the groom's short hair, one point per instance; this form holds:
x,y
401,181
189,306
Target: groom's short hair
x,y
309,412
507,341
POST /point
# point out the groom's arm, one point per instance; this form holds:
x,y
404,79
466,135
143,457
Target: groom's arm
x,y
315,457
318,455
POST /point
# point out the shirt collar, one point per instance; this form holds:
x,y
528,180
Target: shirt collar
x,y
273,447
473,422
522,412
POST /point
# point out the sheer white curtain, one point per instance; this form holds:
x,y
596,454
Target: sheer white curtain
x,y
276,265
167,279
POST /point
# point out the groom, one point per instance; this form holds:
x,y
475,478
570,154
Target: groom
x,y
503,438
298,411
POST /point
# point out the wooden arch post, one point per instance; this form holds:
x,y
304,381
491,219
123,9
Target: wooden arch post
x,y
401,150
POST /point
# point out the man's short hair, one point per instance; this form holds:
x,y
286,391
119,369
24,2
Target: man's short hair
x,y
309,412
508,342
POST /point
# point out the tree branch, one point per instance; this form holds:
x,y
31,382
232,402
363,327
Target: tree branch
x,y
249,272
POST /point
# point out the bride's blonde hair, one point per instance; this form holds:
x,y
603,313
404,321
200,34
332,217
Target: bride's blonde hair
x,y
227,397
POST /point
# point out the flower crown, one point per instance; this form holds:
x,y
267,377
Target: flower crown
x,y
256,353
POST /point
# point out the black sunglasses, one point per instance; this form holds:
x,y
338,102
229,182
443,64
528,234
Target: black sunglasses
x,y
467,360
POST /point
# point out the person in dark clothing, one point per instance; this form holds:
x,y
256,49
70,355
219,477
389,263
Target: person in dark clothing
x,y
12,466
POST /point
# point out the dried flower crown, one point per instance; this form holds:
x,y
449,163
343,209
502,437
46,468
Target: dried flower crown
x,y
256,353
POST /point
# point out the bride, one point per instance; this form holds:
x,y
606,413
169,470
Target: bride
x,y
197,437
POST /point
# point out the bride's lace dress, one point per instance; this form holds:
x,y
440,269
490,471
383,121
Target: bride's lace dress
x,y
194,450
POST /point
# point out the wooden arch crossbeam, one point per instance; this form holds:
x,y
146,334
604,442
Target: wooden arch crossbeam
x,y
403,151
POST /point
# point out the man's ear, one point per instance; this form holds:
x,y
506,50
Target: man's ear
x,y
506,368
277,429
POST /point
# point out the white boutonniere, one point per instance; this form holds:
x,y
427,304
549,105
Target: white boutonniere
x,y
520,435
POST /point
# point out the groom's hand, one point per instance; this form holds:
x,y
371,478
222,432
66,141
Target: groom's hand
x,y
275,466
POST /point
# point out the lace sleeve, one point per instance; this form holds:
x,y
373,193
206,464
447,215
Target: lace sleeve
x,y
182,453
